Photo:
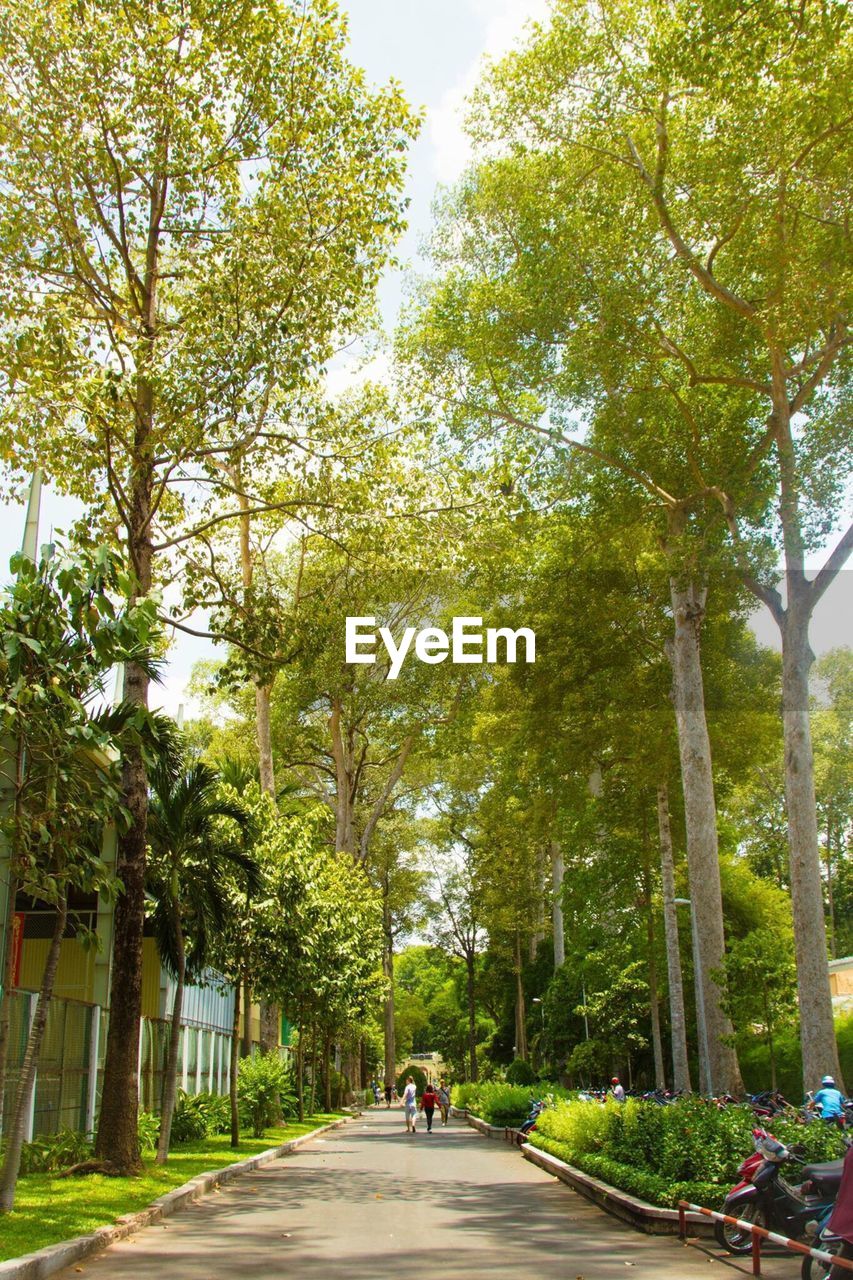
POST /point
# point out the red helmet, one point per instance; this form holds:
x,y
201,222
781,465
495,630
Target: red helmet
x,y
614,1080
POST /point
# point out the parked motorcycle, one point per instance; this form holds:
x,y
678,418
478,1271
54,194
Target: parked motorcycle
x,y
528,1125
823,1239
764,1197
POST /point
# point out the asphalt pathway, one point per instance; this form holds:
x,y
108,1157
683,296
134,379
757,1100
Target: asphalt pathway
x,y
371,1202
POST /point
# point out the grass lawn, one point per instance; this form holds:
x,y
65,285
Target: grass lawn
x,y
49,1209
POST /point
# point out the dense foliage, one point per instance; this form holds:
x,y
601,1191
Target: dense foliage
x,y
688,1150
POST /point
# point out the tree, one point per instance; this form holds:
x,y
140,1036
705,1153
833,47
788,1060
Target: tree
x,y
191,858
456,925
733,303
197,202
680,288
62,632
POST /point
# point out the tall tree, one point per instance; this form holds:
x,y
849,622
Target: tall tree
x,y
188,222
191,859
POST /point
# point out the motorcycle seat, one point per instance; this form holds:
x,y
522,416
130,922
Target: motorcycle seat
x,y
824,1175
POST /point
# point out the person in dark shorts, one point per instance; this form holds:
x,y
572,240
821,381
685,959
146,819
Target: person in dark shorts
x,y
387,1095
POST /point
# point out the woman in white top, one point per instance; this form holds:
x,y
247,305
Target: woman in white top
x,y
410,1103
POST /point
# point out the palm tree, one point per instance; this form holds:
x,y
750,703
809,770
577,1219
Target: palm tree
x,y
194,850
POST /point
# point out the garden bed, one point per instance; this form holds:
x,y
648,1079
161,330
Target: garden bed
x,y
637,1212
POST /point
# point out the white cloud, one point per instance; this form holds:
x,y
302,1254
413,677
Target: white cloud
x,y
503,23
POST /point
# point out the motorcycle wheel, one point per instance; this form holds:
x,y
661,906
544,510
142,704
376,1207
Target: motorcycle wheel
x,y
732,1238
814,1270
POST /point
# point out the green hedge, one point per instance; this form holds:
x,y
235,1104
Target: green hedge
x,y
656,1152
499,1103
637,1182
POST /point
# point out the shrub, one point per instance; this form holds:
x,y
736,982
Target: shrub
x,y
55,1151
417,1075
147,1130
461,1094
637,1182
265,1090
506,1104
520,1072
190,1120
687,1144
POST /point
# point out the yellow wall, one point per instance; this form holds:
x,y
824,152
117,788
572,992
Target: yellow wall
x,y
841,980
150,979
74,975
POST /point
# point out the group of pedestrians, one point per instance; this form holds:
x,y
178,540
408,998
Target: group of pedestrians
x,y
431,1098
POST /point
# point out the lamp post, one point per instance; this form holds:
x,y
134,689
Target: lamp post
x,y
538,1000
706,1083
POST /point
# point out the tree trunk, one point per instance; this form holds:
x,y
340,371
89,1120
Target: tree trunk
x,y
170,1089
6,993
817,1028
688,607
557,905
312,1101
678,1028
15,1141
327,1058
520,1009
270,1026
388,968
473,1068
300,1098
117,1139
830,901
654,1006
263,693
235,1066
771,1048
246,1040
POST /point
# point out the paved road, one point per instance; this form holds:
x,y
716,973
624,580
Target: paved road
x,y
370,1202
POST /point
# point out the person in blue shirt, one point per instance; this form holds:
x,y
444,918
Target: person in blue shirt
x,y
831,1102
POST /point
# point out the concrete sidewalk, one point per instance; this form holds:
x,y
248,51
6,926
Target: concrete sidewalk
x,y
371,1202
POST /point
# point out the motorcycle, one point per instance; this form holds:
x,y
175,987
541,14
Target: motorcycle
x,y
764,1197
528,1125
769,1103
824,1239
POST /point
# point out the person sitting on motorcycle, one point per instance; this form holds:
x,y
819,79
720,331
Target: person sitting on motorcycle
x,y
617,1090
831,1102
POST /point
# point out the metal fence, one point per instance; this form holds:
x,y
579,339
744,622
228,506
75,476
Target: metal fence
x,y
70,1066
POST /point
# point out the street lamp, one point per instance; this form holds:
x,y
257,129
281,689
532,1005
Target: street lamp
x,y
701,1024
538,1000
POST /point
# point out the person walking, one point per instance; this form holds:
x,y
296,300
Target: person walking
x,y
387,1095
410,1105
444,1101
429,1102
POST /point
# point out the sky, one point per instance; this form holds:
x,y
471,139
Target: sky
x,y
435,49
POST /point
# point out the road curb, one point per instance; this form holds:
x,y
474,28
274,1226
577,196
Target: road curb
x,y
488,1130
47,1261
648,1218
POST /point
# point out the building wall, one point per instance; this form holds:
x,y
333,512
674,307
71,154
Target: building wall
x,y
841,976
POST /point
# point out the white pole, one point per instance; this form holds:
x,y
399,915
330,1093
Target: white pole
x,y
29,1123
92,1081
